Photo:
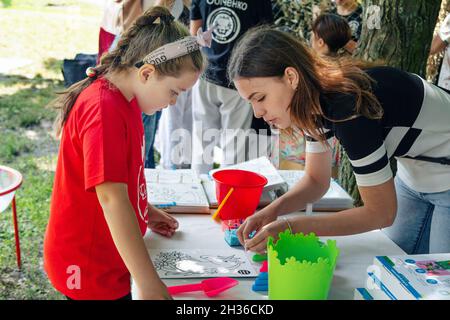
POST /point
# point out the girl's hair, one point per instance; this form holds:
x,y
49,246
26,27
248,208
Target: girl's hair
x,y
265,52
333,30
144,36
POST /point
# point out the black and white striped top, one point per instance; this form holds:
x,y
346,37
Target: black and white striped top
x,y
416,123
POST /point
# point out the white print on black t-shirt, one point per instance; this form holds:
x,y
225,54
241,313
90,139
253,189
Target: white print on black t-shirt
x,y
229,3
354,26
227,25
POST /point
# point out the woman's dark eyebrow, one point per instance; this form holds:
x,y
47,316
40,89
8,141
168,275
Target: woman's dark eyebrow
x,y
251,96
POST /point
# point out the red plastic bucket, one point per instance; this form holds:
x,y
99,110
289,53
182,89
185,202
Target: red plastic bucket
x,y
244,200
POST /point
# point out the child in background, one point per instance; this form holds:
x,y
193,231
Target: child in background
x,y
99,210
118,16
352,12
217,106
330,34
175,126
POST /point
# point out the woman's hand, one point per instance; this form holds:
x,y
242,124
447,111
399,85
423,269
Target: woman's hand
x,y
255,223
161,222
258,243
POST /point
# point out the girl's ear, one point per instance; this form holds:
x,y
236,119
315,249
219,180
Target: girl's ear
x,y
146,71
292,77
321,42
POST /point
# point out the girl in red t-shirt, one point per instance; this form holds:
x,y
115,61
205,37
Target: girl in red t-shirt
x,y
99,210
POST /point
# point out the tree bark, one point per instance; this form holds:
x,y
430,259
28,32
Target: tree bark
x,y
397,33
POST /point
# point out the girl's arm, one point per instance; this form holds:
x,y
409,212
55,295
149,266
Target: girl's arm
x,y
124,228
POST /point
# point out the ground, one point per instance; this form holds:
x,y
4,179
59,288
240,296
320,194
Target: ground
x,y
35,36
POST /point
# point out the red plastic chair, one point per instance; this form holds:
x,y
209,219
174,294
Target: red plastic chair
x,y
10,181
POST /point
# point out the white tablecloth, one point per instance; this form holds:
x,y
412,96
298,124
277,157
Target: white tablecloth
x,y
199,231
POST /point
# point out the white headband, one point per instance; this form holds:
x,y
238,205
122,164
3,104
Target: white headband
x,y
178,48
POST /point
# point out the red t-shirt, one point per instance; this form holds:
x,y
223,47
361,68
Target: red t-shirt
x,y
103,140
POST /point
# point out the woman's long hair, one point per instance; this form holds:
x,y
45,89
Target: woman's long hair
x,y
265,52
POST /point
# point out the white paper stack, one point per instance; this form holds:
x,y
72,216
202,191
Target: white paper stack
x,y
264,167
185,191
176,190
334,200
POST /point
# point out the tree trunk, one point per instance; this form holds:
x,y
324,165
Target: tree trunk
x,y
398,33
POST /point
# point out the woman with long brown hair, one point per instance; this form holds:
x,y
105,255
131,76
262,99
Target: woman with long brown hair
x,y
376,113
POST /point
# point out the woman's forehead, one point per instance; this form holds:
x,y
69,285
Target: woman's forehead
x,y
256,82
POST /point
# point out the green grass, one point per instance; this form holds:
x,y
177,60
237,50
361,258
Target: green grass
x,y
41,33
25,108
33,200
84,8
13,146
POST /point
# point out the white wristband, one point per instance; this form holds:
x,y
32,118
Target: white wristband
x,y
288,223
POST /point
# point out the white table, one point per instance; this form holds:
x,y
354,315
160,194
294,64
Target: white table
x,y
200,232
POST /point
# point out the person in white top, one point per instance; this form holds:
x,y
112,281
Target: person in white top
x,y
440,43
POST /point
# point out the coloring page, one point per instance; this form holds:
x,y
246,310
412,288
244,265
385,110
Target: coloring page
x,y
182,263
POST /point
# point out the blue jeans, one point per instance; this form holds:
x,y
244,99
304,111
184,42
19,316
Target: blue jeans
x,y
150,127
422,224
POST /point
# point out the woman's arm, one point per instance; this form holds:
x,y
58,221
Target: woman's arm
x,y
378,212
124,228
310,188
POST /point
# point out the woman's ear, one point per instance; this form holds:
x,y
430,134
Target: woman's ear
x,y
292,77
146,71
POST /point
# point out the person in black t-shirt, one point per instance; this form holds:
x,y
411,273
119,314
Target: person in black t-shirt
x,y
215,102
175,125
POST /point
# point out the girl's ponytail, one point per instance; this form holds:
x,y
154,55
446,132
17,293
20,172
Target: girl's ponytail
x,y
155,28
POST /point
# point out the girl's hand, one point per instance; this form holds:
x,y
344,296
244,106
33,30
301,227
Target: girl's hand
x,y
157,292
255,223
258,243
161,222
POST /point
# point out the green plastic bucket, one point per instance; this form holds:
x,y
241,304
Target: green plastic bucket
x,y
300,266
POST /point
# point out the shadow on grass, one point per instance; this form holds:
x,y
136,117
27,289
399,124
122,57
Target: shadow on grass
x,y
53,64
27,105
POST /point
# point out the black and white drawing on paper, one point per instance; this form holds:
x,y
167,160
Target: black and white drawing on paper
x,y
182,263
